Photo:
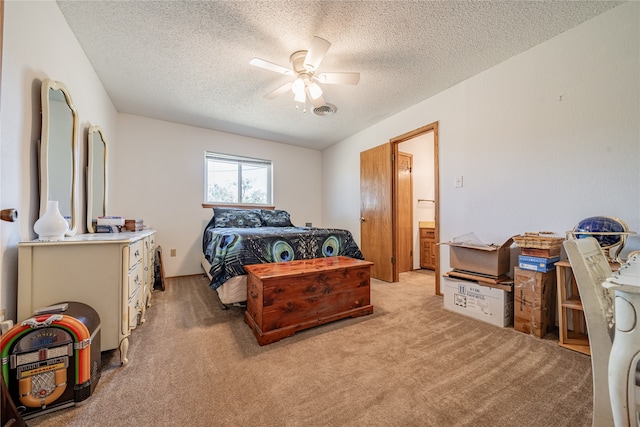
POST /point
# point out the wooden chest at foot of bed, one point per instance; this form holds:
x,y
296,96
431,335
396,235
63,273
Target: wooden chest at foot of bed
x,y
286,297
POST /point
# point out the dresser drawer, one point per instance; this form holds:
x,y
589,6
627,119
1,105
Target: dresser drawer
x,y
427,233
134,309
135,279
136,253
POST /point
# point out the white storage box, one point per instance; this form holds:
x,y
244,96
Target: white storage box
x,y
481,302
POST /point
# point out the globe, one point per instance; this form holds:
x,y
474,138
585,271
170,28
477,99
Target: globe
x,y
593,226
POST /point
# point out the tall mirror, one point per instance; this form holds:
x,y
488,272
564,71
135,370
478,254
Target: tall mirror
x,y
96,176
59,152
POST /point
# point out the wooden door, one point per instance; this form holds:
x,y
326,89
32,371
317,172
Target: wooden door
x,y
376,217
405,212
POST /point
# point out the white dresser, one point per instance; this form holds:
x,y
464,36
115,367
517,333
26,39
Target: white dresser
x,y
111,272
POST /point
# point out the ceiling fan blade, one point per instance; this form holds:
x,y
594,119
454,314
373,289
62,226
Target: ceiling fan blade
x,y
282,89
339,78
271,66
315,54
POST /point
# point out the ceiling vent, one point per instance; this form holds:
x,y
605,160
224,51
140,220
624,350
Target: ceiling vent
x,y
325,110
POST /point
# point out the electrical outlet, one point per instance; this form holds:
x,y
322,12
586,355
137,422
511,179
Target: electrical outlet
x,y
458,182
173,252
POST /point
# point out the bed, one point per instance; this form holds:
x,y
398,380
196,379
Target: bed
x,y
236,237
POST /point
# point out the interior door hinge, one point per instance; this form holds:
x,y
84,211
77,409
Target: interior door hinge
x,y
393,260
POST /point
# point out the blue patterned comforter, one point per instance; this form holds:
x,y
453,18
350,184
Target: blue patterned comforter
x,y
228,250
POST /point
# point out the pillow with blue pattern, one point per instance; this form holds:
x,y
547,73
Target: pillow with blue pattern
x,y
236,218
276,218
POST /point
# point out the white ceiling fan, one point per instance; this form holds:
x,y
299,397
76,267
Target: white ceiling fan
x,y
304,65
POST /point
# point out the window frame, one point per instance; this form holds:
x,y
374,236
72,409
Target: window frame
x,y
239,160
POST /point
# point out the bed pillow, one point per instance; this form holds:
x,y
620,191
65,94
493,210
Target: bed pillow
x,y
276,218
236,218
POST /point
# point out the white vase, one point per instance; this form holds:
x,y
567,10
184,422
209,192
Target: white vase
x,y
52,225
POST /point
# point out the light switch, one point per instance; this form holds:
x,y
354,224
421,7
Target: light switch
x,y
458,182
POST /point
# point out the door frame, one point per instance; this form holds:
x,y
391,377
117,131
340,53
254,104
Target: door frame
x,y
432,127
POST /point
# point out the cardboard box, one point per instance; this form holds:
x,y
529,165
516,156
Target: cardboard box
x,y
490,305
537,263
534,301
534,286
490,260
531,320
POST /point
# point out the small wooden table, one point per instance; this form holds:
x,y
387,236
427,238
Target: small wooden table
x,y
286,297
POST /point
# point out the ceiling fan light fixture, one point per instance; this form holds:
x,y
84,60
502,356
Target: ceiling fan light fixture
x,y
299,91
315,91
300,97
298,87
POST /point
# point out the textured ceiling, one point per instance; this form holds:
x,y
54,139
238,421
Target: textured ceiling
x,y
188,61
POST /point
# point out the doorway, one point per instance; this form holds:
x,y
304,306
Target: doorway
x,y
425,202
380,207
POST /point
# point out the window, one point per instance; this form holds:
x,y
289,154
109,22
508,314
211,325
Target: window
x,y
237,180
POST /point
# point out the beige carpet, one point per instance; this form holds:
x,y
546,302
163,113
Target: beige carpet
x,y
411,363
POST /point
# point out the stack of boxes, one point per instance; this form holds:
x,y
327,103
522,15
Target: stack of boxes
x,y
116,224
479,285
534,290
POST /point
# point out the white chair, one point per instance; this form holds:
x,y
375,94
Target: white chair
x,y
624,377
614,351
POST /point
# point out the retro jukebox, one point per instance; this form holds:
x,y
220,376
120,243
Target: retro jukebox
x,y
52,360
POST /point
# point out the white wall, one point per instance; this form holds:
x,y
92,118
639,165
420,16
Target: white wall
x,y
158,176
542,140
38,44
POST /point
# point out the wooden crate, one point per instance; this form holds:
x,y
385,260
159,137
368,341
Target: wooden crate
x,y
286,297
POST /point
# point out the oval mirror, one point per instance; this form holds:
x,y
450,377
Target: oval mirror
x,y
58,152
96,177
